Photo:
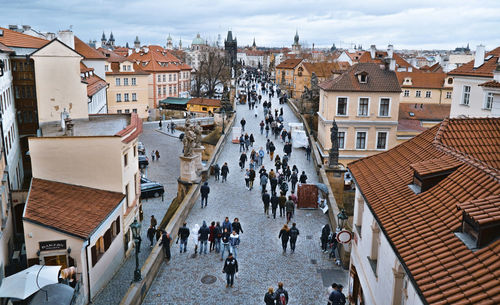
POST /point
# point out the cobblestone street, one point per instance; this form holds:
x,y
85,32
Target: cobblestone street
x,y
306,273
165,171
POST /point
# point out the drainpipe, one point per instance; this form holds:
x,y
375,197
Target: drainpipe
x,y
88,270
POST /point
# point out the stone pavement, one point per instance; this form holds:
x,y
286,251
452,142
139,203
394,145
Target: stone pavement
x,y
165,171
306,274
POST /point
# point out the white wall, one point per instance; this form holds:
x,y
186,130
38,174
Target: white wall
x,y
477,96
377,289
9,124
97,103
98,65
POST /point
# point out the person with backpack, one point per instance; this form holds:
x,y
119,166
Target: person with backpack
x,y
272,148
284,187
203,234
284,235
204,191
266,199
281,295
230,268
270,297
294,233
224,172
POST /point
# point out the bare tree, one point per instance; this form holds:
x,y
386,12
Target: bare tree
x,y
211,73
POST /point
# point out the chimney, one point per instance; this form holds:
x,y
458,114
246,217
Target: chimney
x,y
479,57
12,27
390,64
26,27
496,73
390,51
130,51
373,50
67,37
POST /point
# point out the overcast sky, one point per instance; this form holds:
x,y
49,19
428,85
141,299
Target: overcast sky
x,y
421,24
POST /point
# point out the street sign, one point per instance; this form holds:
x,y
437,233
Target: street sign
x,y
344,237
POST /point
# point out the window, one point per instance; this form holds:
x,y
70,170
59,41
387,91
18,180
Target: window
x,y
118,97
134,81
134,97
164,78
373,258
170,77
175,89
125,97
164,90
382,140
363,106
125,81
384,107
448,95
119,111
362,78
117,81
359,215
127,110
341,137
418,93
175,77
342,106
159,78
488,101
106,68
170,89
159,90
361,140
407,93
125,159
466,95
134,110
427,94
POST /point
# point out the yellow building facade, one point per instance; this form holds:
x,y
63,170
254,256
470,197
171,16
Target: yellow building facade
x,y
425,87
203,105
285,73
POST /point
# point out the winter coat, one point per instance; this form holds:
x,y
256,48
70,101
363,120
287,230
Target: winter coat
x,y
281,201
165,240
183,232
294,232
203,232
251,175
303,178
266,199
225,238
274,202
294,177
278,293
230,265
325,232
290,207
284,235
224,170
243,158
269,298
237,227
227,225
234,240
204,190
211,237
263,180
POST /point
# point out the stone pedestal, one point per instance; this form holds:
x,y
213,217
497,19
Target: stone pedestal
x,y
198,152
335,176
188,169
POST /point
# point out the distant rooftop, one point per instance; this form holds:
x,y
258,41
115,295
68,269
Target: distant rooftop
x,y
96,125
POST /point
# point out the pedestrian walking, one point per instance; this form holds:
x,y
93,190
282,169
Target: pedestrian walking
x,y
247,179
243,160
268,142
227,225
308,152
262,124
153,221
243,122
234,241
151,235
251,178
303,177
281,202
204,191
325,233
157,153
277,163
294,179
211,236
195,236
165,244
284,235
337,297
290,208
225,243
261,155
270,297
203,234
266,199
267,130
216,171
281,295
272,148
237,226
242,143
294,198
230,269
294,233
252,140
153,155
183,235
224,172
160,124
274,204
263,182
218,237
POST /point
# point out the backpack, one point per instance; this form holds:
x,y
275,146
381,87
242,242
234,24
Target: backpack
x,y
282,298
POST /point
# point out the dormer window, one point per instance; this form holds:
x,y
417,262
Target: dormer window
x,y
407,81
300,71
480,222
429,173
362,77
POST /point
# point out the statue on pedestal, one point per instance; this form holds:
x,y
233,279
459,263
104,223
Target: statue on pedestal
x,y
189,138
333,156
197,131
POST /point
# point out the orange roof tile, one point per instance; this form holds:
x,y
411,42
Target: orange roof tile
x,y
86,51
94,84
431,166
157,59
204,102
111,56
323,69
73,209
491,84
289,63
15,39
115,70
5,49
379,57
483,211
426,112
421,228
485,70
428,80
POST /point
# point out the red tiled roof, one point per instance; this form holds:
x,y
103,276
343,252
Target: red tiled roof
x,y
491,84
420,228
410,125
157,59
431,166
111,56
426,112
122,51
133,130
86,51
485,70
5,49
483,211
73,209
379,57
289,63
84,68
94,82
323,69
379,80
15,39
428,80
115,70
204,102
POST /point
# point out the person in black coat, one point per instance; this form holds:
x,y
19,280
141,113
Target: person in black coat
x,y
274,204
243,160
303,177
266,199
224,171
274,184
204,191
270,297
151,234
236,226
293,180
165,243
284,235
230,268
325,233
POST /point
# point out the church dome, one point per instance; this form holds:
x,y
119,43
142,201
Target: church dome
x,y
198,40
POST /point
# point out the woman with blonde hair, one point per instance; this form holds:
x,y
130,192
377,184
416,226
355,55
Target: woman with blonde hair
x,y
284,235
270,297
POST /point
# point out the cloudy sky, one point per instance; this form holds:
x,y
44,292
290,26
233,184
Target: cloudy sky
x,y
421,24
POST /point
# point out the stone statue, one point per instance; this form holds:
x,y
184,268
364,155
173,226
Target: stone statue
x,y
306,94
333,156
197,132
189,138
314,87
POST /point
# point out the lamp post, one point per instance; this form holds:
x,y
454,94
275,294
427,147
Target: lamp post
x,y
341,219
136,234
223,119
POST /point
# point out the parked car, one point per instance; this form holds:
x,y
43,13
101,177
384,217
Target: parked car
x,y
151,189
143,161
141,148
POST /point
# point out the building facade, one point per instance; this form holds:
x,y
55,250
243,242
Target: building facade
x,y
285,75
231,49
425,88
364,103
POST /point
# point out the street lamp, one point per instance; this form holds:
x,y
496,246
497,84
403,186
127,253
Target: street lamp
x,y
341,218
136,234
223,118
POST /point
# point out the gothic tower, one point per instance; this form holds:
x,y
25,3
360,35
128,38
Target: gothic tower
x,y
231,49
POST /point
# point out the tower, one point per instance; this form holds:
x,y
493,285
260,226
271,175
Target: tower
x,y
231,48
254,45
103,40
296,44
169,46
180,44
111,40
137,42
